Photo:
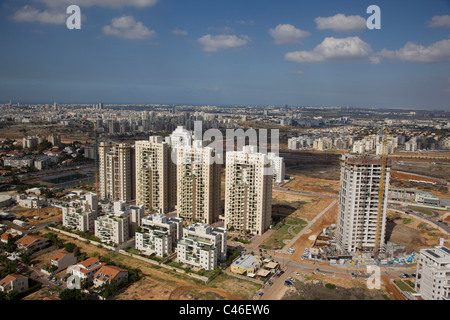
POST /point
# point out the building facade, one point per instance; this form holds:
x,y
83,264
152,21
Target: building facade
x,y
156,176
158,235
358,204
117,171
433,273
198,184
202,246
248,191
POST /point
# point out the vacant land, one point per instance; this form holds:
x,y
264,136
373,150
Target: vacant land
x,y
318,290
303,182
411,232
46,214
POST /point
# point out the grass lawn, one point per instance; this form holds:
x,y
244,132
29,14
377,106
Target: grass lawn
x,y
403,286
282,231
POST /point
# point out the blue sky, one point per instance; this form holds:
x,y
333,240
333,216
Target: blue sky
x,y
248,52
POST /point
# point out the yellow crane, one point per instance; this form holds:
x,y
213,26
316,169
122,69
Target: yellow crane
x,y
381,192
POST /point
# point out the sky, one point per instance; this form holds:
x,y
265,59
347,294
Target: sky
x,y
234,52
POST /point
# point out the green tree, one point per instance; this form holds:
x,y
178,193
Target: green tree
x,y
73,294
70,247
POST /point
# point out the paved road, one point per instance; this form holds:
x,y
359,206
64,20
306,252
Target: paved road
x,y
430,220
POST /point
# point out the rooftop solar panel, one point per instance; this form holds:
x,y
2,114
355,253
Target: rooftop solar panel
x,y
447,250
434,254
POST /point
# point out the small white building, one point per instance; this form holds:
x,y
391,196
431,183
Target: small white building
x,y
202,246
433,273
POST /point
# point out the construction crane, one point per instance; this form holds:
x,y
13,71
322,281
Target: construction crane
x,y
96,158
381,193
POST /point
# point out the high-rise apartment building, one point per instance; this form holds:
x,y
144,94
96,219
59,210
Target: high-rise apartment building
x,y
198,184
278,167
248,191
155,175
358,205
117,172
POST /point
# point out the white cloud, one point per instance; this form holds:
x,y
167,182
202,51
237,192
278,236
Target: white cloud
x,y
127,27
412,52
179,32
287,34
220,42
341,22
30,14
332,49
440,21
99,3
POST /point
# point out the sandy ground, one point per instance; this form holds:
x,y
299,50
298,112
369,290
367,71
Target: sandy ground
x,y
303,182
22,212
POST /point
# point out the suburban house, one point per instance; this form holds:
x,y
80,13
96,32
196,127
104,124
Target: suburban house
x,y
85,269
14,282
31,244
4,237
108,273
63,259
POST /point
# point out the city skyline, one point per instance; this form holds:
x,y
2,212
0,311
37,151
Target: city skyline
x,y
233,53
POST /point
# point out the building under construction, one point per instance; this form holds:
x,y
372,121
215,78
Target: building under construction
x,y
363,196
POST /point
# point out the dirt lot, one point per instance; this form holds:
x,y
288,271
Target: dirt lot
x,y
328,218
412,233
317,290
22,213
302,182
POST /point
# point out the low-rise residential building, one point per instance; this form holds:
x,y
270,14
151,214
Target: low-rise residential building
x,y
85,269
106,274
14,282
433,273
202,246
121,225
81,213
63,260
31,244
159,234
27,202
